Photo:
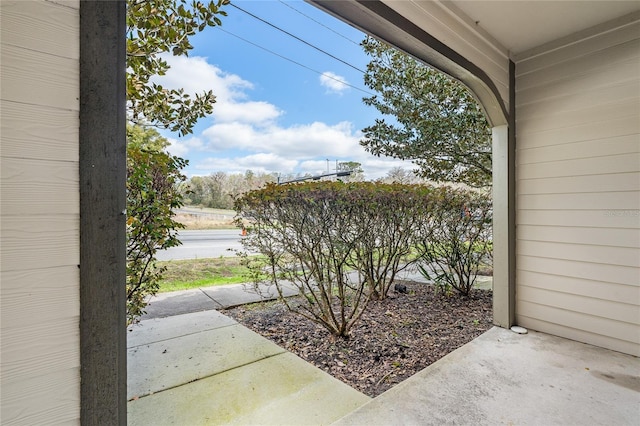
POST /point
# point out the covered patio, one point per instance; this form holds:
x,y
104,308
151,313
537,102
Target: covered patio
x,y
507,378
205,368
560,84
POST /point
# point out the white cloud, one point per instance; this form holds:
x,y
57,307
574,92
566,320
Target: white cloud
x,y
195,75
181,147
263,162
333,82
260,113
316,166
299,141
250,129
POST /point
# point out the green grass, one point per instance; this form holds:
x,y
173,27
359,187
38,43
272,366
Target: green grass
x,y
194,273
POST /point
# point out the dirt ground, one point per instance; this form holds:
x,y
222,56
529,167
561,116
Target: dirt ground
x,y
394,339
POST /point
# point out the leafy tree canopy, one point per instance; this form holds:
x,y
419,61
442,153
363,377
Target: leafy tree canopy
x,y
435,121
145,138
357,172
153,177
156,27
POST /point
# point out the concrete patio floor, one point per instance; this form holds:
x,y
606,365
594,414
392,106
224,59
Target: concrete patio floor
x,y
204,368
503,378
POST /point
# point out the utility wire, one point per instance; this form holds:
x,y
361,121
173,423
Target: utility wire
x,y
292,61
297,38
320,23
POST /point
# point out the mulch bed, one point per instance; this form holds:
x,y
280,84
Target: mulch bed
x,y
394,339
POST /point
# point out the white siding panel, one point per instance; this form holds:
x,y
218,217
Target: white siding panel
x,y
619,311
39,241
73,4
36,78
55,395
618,201
596,165
616,237
55,35
620,75
562,119
576,184
594,66
578,191
579,335
587,271
51,292
33,187
627,32
36,242
592,129
622,256
612,292
32,351
572,101
598,325
600,218
35,131
627,144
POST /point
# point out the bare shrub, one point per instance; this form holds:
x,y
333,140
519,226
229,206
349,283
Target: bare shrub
x,y
342,244
304,235
386,223
338,244
454,240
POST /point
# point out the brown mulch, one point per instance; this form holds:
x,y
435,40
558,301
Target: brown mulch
x,y
394,339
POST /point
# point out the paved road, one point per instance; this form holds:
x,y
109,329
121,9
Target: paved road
x,y
203,244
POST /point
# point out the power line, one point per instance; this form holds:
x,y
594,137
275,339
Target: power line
x,y
293,61
320,23
298,38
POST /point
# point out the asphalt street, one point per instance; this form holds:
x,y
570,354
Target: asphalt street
x,y
203,244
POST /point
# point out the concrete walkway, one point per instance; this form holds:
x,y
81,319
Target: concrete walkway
x,y
205,368
226,296
189,365
208,298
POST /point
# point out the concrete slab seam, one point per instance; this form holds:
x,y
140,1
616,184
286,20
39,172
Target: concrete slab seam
x,y
185,334
213,375
220,305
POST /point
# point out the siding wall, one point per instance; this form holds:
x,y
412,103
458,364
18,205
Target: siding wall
x,y
39,252
578,190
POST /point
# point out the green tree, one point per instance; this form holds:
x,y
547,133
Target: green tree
x,y
153,177
435,121
154,28
357,173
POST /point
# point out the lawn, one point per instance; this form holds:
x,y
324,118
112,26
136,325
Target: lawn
x,y
194,273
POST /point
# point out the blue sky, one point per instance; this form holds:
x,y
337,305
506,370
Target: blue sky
x,y
272,115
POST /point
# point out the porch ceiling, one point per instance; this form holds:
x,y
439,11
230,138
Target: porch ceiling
x,y
522,25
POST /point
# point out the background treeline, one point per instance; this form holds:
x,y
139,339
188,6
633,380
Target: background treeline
x,y
218,190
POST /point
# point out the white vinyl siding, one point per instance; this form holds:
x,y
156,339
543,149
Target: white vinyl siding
x,y
39,276
578,190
